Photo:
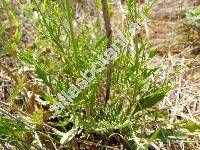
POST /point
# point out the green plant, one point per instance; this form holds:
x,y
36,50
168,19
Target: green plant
x,y
63,48
14,131
193,17
9,33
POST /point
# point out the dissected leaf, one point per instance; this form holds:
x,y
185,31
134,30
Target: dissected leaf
x,y
193,17
27,57
37,116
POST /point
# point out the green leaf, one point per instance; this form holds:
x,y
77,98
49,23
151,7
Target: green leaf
x,y
153,53
42,75
148,102
100,40
192,127
47,97
148,8
189,125
26,57
67,137
170,135
152,99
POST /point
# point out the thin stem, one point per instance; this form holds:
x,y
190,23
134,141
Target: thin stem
x,y
73,38
106,17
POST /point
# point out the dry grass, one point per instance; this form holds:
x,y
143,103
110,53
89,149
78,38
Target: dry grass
x,y
167,31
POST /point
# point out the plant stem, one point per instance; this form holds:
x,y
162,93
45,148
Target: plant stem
x,y
106,17
73,38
